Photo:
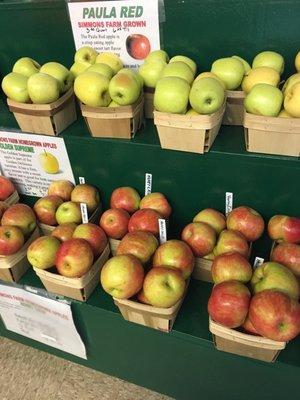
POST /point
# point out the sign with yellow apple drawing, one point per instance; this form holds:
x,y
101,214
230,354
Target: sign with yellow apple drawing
x,y
32,162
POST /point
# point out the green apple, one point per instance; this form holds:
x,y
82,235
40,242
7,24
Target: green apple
x,y
78,68
26,66
68,212
59,72
264,99
43,88
110,59
260,75
91,88
103,69
157,55
210,75
151,71
124,89
172,95
269,59
42,252
230,70
292,101
14,85
284,114
113,104
191,63
290,82
207,95
136,76
244,62
191,112
180,70
86,55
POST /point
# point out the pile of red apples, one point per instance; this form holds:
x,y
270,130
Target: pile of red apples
x,y
7,188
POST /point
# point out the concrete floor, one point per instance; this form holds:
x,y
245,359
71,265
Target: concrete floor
x,y
29,374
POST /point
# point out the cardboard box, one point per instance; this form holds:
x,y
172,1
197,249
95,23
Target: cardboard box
x,y
149,102
113,244
234,112
12,199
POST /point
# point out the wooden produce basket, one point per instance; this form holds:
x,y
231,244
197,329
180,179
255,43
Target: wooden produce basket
x,y
202,270
149,102
13,267
272,135
243,344
194,134
12,199
75,288
113,244
114,122
48,119
234,112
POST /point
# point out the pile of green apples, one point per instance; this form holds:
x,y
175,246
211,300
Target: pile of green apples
x,y
29,82
101,80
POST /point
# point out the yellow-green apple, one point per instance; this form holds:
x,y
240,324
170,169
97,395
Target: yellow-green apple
x,y
244,62
3,207
59,72
207,95
21,216
272,275
43,88
14,85
213,218
94,235
124,89
157,55
284,114
141,297
248,326
110,59
275,315
125,198
260,75
284,228
114,222
87,194
287,254
292,101
26,66
140,244
42,252
86,55
230,70
113,104
145,220
232,241
157,202
11,240
297,61
151,72
135,75
61,188
269,59
122,276
201,238
290,82
229,303
45,209
78,68
64,232
74,258
171,95
231,266
103,69
67,212
91,88
247,221
163,287
6,188
210,256
210,75
175,254
264,99
191,63
179,69
138,46
191,112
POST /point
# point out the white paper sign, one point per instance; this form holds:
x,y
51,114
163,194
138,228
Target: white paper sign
x,y
148,184
228,202
258,261
162,231
128,28
84,213
39,318
32,162
81,180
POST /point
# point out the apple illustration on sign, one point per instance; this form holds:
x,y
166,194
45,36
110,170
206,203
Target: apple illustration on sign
x,y
138,46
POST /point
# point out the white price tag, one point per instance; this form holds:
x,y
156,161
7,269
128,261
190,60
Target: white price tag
x,y
228,202
81,180
162,231
148,184
258,261
84,213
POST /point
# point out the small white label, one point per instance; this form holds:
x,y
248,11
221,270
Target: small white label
x,y
228,202
84,213
148,184
162,231
81,180
258,261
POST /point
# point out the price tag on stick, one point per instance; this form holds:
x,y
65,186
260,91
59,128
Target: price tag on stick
x,y
228,202
84,213
81,180
162,231
148,184
258,261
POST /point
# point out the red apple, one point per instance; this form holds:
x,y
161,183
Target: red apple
x,y
122,276
45,209
94,235
142,298
74,258
138,46
21,216
229,303
284,228
157,202
232,241
3,207
64,232
139,244
287,254
248,327
175,254
6,188
275,315
115,222
125,198
42,252
11,240
213,218
246,221
145,220
61,188
231,266
87,194
201,237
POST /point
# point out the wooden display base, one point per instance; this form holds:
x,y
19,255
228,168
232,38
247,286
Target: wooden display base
x,y
75,288
114,122
234,112
12,199
194,134
48,119
113,244
149,102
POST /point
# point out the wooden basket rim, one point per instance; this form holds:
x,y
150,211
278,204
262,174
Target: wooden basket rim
x,y
235,94
12,199
271,123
